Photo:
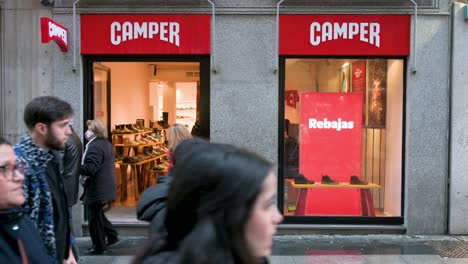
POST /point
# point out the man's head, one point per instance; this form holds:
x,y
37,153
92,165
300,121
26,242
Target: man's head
x,y
48,120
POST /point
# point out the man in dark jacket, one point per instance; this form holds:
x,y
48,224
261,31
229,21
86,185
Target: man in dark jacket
x,y
71,163
71,167
62,227
48,122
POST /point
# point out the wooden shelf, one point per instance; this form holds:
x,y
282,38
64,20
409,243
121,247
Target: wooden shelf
x,y
341,185
139,145
134,133
144,161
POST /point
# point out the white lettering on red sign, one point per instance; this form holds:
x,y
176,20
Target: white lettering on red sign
x,y
367,32
167,31
57,31
325,124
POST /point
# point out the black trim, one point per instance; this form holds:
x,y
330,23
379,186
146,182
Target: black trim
x,y
108,95
340,220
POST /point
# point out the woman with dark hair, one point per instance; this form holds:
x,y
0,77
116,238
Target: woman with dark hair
x,y
221,209
151,206
20,241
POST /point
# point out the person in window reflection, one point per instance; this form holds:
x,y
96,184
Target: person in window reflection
x,y
176,134
20,241
98,165
221,208
291,153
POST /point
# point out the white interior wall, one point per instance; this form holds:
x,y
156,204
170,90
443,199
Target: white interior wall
x,y
394,119
129,92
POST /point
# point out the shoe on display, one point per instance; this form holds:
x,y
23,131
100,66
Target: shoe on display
x,y
301,179
327,180
354,180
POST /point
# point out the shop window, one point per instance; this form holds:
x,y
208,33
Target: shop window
x,y
138,101
343,137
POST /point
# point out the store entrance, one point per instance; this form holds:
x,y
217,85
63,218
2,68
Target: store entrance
x,y
138,99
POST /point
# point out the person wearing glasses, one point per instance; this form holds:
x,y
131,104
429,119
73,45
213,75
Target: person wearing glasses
x,y
20,241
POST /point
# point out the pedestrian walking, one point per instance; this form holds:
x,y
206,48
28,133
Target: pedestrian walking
x,y
151,206
72,156
20,241
48,120
221,208
175,134
98,165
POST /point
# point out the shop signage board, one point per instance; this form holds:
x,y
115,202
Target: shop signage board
x,y
51,30
345,35
145,34
330,144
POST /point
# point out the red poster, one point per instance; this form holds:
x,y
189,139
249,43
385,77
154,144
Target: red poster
x,y
344,35
145,34
330,144
359,76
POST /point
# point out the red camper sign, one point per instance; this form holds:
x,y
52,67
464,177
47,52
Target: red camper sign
x,y
145,34
51,30
344,35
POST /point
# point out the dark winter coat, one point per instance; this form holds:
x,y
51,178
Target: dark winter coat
x,y
152,205
99,165
15,229
62,226
71,167
163,258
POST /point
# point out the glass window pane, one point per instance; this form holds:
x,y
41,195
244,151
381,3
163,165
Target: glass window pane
x,y
343,137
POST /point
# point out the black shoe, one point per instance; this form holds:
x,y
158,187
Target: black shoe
x,y
301,179
354,180
327,180
112,241
94,251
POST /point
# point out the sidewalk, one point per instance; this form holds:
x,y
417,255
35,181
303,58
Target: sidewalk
x,y
305,249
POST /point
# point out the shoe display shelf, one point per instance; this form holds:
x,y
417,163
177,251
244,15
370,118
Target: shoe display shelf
x,y
186,113
131,152
134,141
140,175
367,204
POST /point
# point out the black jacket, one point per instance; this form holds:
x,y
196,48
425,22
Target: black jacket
x,y
99,165
152,205
71,167
167,257
15,226
62,225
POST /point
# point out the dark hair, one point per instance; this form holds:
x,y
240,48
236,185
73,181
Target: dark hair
x,y
3,141
209,204
185,148
46,109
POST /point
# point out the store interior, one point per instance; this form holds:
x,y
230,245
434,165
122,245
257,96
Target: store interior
x,y
139,102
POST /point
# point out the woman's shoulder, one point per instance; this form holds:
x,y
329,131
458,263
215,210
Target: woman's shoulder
x,y
167,257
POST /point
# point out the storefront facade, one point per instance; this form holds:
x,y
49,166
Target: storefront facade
x,y
251,81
